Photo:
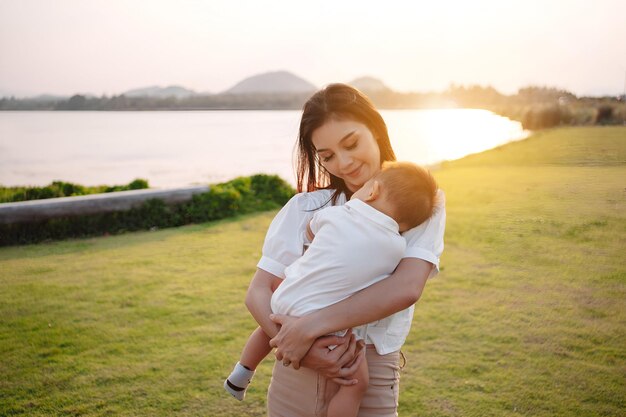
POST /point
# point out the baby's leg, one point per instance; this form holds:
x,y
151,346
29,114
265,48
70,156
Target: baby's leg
x,y
256,349
347,400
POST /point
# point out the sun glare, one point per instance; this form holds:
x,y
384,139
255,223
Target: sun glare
x,y
448,134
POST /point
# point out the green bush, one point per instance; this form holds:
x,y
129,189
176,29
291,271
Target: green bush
x,y
238,196
271,186
138,184
63,189
220,201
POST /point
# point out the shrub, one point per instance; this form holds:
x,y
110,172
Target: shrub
x,y
219,202
138,184
271,186
604,114
63,189
239,196
542,116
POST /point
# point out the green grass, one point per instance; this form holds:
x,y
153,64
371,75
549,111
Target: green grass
x,y
527,316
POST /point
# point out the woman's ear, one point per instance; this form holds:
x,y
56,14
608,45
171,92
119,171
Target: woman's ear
x,y
374,192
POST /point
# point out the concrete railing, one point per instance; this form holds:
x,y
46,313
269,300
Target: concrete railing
x,y
28,211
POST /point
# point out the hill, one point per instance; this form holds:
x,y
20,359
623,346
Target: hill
x,y
370,85
272,82
49,97
160,92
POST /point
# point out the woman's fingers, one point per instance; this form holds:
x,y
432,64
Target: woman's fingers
x,y
295,364
348,354
360,346
340,343
284,357
349,371
290,342
278,319
342,381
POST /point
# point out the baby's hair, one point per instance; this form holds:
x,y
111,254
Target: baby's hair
x,y
411,190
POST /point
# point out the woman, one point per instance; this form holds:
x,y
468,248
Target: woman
x,y
343,141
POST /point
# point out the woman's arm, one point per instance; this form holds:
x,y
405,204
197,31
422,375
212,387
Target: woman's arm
x,y
395,293
258,300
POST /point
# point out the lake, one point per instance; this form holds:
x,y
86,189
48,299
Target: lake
x,y
172,149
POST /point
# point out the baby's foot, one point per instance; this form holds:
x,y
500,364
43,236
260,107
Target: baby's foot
x,y
237,382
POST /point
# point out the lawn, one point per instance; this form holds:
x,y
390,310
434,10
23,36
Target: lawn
x,y
527,317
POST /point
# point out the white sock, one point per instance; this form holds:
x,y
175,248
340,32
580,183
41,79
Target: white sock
x,y
238,381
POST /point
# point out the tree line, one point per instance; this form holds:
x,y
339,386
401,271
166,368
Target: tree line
x,y
536,107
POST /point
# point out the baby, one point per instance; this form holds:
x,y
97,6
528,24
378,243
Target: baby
x,y
352,247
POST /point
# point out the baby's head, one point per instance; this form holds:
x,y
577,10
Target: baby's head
x,y
402,190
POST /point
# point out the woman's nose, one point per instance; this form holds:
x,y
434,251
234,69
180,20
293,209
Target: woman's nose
x,y
345,161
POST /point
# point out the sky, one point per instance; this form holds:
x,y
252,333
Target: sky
x,y
110,46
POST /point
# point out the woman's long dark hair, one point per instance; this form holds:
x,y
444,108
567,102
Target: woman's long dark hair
x,y
339,101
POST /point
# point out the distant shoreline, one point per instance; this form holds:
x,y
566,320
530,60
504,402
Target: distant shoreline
x,y
535,107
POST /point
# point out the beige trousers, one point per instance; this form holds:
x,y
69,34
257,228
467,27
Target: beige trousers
x,y
305,393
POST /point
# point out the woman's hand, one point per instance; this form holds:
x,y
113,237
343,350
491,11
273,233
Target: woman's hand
x,y
339,364
297,349
292,341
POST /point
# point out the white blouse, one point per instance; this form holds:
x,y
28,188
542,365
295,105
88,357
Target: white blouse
x,y
286,237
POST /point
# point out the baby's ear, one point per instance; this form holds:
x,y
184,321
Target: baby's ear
x,y
374,192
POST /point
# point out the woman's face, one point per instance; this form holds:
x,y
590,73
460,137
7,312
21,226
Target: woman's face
x,y
348,150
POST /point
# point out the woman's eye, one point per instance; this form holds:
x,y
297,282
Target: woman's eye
x,y
352,145
327,158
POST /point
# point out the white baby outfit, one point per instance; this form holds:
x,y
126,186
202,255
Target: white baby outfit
x,y
355,246
352,253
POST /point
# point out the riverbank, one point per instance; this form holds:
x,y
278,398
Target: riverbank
x,y
525,318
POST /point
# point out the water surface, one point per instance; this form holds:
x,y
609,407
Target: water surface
x,y
181,148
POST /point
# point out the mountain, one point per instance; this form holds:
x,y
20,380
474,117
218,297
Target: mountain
x,y
272,82
160,92
49,97
369,85
43,98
